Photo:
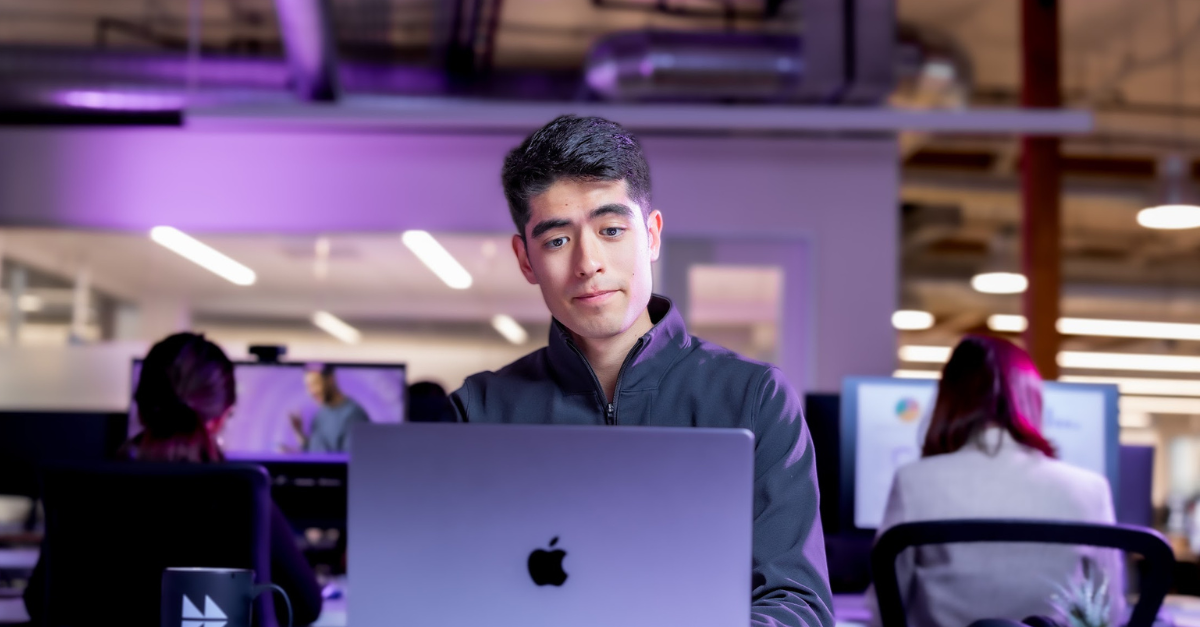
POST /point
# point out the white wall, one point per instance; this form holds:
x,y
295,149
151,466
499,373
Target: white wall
x,y
839,196
96,377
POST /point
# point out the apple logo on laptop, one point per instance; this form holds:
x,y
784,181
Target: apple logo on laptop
x,y
545,567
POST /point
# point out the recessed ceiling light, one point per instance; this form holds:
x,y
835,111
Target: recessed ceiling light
x,y
1170,217
437,259
336,327
202,255
1007,323
999,283
512,330
912,320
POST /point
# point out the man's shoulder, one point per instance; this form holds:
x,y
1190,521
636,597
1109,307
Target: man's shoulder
x,y
703,355
530,368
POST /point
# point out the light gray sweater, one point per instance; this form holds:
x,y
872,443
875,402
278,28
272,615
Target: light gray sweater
x,y
954,585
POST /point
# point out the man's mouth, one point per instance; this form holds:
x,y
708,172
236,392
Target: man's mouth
x,y
594,297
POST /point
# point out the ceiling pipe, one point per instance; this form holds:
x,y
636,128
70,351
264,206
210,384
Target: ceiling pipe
x,y
307,28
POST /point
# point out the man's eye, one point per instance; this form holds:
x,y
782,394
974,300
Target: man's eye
x,y
557,242
612,231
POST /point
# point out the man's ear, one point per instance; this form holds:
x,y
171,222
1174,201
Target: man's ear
x,y
518,244
654,225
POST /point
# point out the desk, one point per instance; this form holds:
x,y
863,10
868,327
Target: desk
x,y
850,610
12,610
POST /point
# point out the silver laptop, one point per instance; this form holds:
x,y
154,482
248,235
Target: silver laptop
x,y
530,526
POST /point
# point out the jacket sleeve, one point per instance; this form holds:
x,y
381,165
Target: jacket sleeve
x,y
459,399
290,571
790,580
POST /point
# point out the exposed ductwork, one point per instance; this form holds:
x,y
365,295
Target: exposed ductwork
x,y
881,62
675,66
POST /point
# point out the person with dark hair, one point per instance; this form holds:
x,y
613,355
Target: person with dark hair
x,y
184,395
984,457
578,191
337,414
426,401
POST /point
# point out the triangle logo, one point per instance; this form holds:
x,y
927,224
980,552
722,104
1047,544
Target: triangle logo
x,y
190,610
212,610
212,616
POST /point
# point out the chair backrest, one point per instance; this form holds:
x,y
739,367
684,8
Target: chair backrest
x,y
1155,583
112,529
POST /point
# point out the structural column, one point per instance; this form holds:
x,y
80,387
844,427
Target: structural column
x,y
1041,255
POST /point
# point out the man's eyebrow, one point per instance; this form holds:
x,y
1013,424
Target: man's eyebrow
x,y
610,209
546,225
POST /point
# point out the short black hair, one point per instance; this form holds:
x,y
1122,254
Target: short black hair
x,y
574,148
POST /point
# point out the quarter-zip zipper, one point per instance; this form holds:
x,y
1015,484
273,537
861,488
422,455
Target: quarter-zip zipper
x,y
611,417
610,409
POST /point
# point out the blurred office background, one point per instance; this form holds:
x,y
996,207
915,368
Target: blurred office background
x,y
816,177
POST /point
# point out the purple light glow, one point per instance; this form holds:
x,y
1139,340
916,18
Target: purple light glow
x,y
122,101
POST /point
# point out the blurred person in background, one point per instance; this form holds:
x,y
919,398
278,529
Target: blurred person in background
x,y
427,401
336,415
984,457
184,396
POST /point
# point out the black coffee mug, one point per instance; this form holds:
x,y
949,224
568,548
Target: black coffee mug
x,y
208,597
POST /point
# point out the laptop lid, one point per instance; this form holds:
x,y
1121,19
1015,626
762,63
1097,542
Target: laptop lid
x,y
549,525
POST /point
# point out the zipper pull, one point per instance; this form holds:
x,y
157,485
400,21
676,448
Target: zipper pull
x,y
608,414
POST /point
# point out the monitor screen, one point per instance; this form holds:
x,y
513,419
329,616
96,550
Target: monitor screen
x,y
270,394
884,422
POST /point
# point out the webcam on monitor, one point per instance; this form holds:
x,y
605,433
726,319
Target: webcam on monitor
x,y
268,353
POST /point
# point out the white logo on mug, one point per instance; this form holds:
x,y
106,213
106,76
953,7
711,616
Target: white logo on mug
x,y
212,616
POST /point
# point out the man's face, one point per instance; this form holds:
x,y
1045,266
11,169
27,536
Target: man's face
x,y
588,246
315,382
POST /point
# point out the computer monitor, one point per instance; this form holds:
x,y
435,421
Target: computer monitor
x,y
1135,506
268,394
30,440
823,419
884,422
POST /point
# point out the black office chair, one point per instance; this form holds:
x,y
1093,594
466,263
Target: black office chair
x,y
112,529
1155,581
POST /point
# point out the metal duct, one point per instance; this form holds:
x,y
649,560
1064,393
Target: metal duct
x,y
843,51
308,38
674,66
723,67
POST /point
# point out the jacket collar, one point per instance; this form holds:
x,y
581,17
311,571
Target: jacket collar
x,y
649,360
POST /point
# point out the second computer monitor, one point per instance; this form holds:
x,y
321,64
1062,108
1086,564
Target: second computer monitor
x,y
884,422
270,394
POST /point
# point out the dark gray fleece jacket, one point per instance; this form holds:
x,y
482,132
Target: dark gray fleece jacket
x,y
671,378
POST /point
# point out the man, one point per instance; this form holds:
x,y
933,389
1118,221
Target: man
x,y
579,193
330,431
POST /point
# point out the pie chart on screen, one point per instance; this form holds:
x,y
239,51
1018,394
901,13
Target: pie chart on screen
x,y
908,410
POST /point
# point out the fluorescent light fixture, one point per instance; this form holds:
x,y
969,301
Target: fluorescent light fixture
x,y
1170,217
925,354
912,320
1129,328
917,374
1128,385
1133,420
510,329
1160,405
1128,361
202,255
1007,323
1103,328
336,327
1133,385
437,259
999,283
29,303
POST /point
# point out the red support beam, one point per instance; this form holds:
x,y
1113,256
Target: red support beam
x,y
1041,185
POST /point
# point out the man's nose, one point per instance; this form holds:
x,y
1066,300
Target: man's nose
x,y
589,258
